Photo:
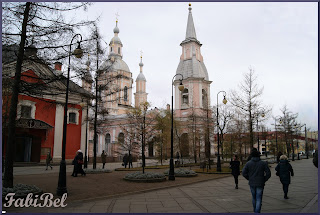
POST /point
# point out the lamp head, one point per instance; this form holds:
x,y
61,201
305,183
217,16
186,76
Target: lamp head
x,y
181,87
262,114
78,51
224,100
280,121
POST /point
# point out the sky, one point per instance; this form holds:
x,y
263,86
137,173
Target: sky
x,y
278,39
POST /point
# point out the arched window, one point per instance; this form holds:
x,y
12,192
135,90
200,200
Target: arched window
x,y
125,97
107,141
110,49
204,99
118,50
185,96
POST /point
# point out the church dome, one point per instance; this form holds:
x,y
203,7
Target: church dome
x,y
117,65
141,77
192,68
116,30
115,40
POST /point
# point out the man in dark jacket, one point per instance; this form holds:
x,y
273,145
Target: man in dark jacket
x,y
250,156
315,159
257,172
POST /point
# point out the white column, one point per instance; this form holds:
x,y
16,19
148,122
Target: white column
x,y
58,131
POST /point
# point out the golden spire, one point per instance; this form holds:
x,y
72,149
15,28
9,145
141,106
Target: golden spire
x,y
189,4
141,54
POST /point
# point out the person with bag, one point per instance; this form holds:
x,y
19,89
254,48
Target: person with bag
x,y
257,173
79,159
48,160
235,169
284,170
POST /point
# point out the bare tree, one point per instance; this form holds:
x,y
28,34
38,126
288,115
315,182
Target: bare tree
x,y
40,23
248,100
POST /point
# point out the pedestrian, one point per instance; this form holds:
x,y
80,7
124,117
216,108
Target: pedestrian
x,y
79,159
103,158
315,158
257,172
48,160
125,160
250,156
130,158
278,156
75,165
235,169
284,170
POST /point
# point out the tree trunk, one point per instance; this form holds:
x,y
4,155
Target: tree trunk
x,y
8,175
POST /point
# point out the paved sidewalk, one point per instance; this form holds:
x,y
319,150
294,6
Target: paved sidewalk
x,y
215,196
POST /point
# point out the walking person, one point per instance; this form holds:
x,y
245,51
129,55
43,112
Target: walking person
x,y
75,165
103,158
235,169
257,172
278,156
48,160
79,159
284,170
250,155
125,160
130,158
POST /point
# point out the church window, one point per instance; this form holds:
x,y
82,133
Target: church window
x,y
111,49
72,117
25,111
118,50
185,96
107,141
125,97
204,99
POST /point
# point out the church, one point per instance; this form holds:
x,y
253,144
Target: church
x,y
194,100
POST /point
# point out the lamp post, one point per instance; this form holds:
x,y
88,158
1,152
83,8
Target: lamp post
x,y
275,126
181,87
296,127
257,114
143,127
62,184
86,147
306,140
224,102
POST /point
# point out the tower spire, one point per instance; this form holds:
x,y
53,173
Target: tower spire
x,y
191,32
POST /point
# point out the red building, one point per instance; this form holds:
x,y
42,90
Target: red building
x,y
40,111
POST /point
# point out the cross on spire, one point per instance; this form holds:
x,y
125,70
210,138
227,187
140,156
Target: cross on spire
x,y
117,14
141,53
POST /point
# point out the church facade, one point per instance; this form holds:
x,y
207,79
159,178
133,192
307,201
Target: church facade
x,y
194,100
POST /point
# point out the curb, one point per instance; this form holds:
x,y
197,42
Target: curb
x,y
310,204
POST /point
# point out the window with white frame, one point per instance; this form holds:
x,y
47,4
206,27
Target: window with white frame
x,y
26,109
73,116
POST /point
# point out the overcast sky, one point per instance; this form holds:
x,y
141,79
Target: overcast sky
x,y
279,40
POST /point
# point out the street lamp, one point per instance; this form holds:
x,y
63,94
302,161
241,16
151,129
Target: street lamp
x,y
257,114
181,87
62,184
275,126
143,127
224,102
306,140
